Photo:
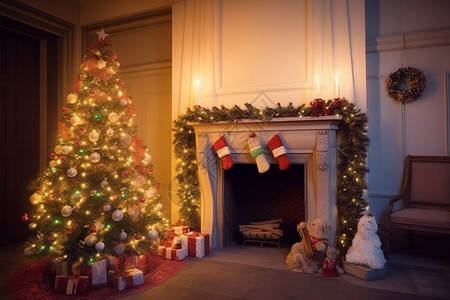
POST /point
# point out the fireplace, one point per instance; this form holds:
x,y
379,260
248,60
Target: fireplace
x,y
310,142
250,196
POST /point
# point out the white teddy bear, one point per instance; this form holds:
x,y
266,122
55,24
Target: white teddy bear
x,y
366,245
307,255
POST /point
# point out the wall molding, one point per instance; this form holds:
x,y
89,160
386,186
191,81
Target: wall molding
x,y
126,23
146,69
422,39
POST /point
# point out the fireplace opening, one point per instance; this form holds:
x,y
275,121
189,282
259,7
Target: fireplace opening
x,y
250,196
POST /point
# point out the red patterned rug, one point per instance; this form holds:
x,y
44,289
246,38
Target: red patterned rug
x,y
37,282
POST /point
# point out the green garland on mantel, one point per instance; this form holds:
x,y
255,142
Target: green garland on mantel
x,y
352,169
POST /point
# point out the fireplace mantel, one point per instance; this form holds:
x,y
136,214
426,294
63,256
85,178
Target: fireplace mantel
x,y
308,141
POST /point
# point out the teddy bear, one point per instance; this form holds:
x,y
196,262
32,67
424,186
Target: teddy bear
x,y
366,245
330,265
307,255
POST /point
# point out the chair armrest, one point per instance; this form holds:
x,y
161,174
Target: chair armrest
x,y
392,201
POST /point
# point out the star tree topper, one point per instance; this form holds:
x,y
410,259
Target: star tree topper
x,y
102,35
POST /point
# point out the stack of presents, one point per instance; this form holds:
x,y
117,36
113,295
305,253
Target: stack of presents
x,y
181,243
128,271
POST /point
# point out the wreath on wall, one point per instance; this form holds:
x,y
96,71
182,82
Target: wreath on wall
x,y
352,167
406,84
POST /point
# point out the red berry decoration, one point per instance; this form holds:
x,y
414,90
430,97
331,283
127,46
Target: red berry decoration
x,y
78,143
25,217
93,229
69,232
142,199
52,155
138,236
125,173
91,91
81,131
51,239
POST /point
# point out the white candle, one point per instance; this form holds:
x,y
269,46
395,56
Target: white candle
x,y
197,92
336,85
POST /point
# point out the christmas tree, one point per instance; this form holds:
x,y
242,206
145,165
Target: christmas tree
x,y
98,196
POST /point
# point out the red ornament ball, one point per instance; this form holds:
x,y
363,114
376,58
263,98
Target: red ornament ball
x,y
142,199
25,217
81,131
125,173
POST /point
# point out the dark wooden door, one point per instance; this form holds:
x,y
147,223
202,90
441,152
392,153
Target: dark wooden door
x,y
19,130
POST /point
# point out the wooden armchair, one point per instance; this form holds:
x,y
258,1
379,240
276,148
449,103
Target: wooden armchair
x,y
424,196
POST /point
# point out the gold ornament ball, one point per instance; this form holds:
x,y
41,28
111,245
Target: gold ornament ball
x,y
66,211
35,198
72,98
90,240
95,157
117,215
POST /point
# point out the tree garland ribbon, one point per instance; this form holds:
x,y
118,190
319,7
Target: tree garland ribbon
x,y
352,155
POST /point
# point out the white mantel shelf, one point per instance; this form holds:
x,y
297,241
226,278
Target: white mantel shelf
x,y
292,123
311,141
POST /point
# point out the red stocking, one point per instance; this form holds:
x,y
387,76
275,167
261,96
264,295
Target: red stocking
x,y
220,146
279,152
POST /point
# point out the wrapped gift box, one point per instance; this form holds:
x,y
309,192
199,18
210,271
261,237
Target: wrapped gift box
x,y
110,263
71,284
173,254
98,271
177,230
127,279
60,267
176,243
197,244
142,263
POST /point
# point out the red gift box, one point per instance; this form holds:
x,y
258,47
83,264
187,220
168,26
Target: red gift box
x,y
127,279
197,244
142,263
177,230
171,253
71,284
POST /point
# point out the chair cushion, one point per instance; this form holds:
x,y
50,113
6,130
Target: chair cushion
x,y
422,217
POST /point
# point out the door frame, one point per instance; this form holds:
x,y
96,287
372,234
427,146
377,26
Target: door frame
x,y
57,54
